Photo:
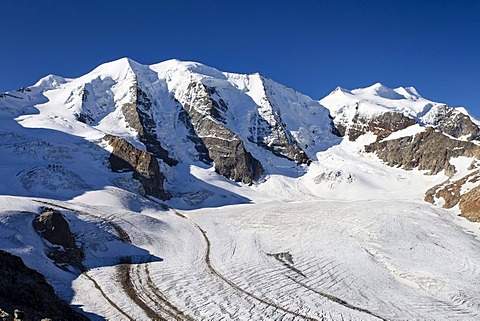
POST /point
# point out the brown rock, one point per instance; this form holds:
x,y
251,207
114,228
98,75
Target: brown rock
x,y
470,204
53,227
429,150
138,115
224,147
451,192
382,125
145,167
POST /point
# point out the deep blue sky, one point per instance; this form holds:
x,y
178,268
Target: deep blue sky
x,y
312,46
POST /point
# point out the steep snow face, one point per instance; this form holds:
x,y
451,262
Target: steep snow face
x,y
185,114
85,106
285,115
266,116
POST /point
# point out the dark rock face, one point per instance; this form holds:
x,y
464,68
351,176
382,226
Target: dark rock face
x,y
200,147
280,141
138,115
53,227
273,135
85,115
454,123
233,161
26,290
225,148
144,166
428,150
382,125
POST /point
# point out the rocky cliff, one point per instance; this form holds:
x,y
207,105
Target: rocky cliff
x,y
138,115
225,148
452,122
382,125
429,150
125,157
464,192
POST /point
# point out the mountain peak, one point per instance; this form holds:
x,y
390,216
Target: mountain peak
x,y
339,89
119,64
378,86
50,82
122,68
175,65
379,90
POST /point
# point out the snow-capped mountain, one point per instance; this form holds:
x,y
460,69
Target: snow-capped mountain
x,y
354,110
175,176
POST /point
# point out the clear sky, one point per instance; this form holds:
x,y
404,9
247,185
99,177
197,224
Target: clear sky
x,y
312,46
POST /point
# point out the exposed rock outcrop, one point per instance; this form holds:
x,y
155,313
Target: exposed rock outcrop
x,y
125,157
200,147
85,116
470,204
53,227
454,123
138,115
224,147
382,125
27,291
277,139
270,131
453,193
432,150
429,150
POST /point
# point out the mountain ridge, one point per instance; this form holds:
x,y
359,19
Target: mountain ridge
x,y
248,127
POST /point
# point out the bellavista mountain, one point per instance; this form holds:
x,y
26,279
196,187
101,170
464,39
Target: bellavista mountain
x,y
175,191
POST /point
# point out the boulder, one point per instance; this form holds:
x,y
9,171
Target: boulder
x,y
53,227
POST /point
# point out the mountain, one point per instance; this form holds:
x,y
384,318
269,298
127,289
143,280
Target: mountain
x,y
413,132
190,193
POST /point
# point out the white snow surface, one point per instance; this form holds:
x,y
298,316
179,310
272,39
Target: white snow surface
x,y
346,238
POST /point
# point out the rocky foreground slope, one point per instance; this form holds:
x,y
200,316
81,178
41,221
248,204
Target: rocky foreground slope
x,y
25,294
